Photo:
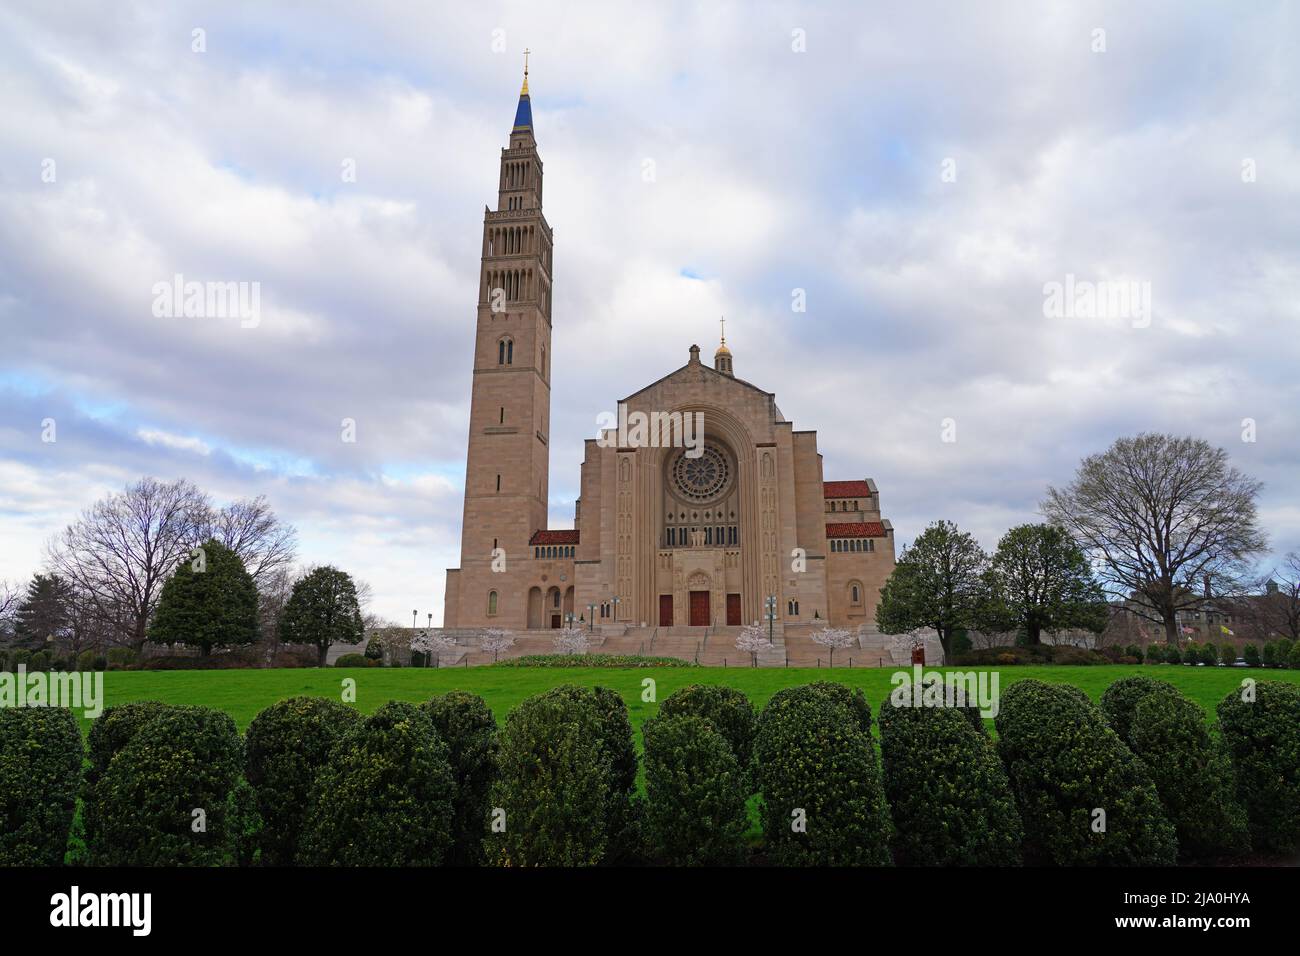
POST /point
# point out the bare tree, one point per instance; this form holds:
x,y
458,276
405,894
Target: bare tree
x,y
1277,611
251,529
11,593
1172,522
122,548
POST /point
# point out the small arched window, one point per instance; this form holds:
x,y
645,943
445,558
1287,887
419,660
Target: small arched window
x,y
492,602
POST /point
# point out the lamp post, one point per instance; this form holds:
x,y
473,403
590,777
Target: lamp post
x,y
616,599
770,604
569,618
591,616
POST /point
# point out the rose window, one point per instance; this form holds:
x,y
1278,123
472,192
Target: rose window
x,y
703,478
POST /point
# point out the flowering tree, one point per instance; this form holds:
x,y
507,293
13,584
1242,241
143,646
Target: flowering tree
x,y
496,640
431,644
571,640
753,640
833,637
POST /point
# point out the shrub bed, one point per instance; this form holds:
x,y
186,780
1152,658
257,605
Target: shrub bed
x,y
948,793
592,660
1033,654
287,744
1066,764
1192,775
162,799
823,801
40,774
695,793
554,785
356,660
727,709
466,723
384,797
1263,741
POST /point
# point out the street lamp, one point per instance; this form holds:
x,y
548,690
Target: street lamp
x,y
570,620
770,604
616,607
591,616
413,613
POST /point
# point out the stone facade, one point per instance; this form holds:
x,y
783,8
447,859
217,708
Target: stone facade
x,y
692,521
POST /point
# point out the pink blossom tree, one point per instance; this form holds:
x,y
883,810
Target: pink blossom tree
x,y
496,640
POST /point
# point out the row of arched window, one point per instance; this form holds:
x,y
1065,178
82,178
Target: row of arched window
x,y
510,240
515,175
853,544
516,284
842,506
720,535
506,356
553,551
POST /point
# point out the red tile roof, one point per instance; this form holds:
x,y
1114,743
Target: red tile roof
x,y
554,537
845,489
855,529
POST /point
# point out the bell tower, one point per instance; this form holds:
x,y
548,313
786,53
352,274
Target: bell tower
x,y
510,405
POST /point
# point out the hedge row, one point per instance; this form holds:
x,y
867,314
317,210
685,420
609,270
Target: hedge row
x,y
1138,781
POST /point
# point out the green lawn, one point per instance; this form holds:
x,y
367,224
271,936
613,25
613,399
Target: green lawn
x,y
242,693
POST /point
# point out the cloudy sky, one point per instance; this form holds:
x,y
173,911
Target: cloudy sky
x,y
920,171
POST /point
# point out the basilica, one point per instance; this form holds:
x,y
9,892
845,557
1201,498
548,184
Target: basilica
x,y
715,515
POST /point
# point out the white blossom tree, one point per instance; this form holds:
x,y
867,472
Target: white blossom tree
x,y
832,638
752,640
430,645
571,640
496,640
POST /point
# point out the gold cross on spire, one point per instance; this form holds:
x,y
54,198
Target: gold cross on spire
x,y
723,323
524,91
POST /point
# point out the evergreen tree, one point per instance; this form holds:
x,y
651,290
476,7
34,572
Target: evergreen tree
x,y
210,601
45,613
322,610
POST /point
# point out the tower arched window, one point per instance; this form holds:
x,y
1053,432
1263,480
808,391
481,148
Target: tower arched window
x,y
492,602
506,351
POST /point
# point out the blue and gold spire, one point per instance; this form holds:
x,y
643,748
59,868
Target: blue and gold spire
x,y
524,114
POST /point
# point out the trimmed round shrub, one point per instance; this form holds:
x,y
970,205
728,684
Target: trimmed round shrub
x,y
1192,775
20,655
112,730
286,745
1227,654
1066,764
851,697
466,723
695,793
1263,740
1155,655
40,776
623,820
1250,654
1120,699
552,794
374,649
1134,652
948,793
384,797
1294,660
1269,658
726,708
1172,654
1209,654
163,798
40,661
823,801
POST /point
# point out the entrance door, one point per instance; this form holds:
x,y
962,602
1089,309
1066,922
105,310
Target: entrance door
x,y
665,610
555,620
733,609
699,608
